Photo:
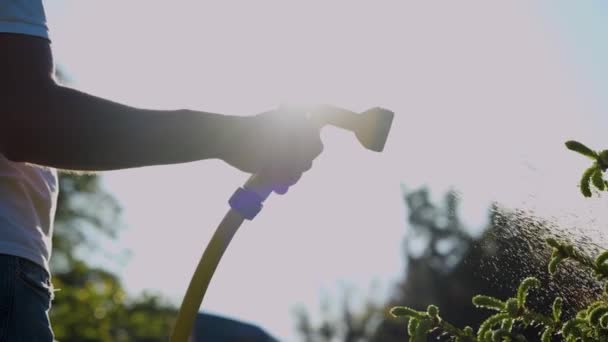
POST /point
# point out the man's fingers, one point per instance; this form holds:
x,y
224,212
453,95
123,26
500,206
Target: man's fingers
x,y
296,143
282,187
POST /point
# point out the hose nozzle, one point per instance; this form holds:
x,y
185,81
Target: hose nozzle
x,y
370,127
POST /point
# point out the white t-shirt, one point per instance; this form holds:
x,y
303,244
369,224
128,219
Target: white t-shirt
x,y
23,16
28,194
28,197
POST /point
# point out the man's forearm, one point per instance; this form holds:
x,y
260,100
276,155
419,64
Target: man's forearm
x,y
44,123
68,129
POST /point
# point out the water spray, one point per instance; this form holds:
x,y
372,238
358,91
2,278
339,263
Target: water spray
x,y
371,129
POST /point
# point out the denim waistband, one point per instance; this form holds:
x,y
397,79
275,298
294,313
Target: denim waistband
x,y
30,268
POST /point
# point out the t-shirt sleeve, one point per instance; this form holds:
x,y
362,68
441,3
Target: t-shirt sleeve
x,y
24,17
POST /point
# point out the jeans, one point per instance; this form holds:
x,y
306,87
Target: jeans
x,y
25,300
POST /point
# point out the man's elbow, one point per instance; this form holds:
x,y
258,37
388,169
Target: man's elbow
x,y
22,113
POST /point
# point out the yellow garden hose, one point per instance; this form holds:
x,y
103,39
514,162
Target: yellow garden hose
x,y
246,203
202,276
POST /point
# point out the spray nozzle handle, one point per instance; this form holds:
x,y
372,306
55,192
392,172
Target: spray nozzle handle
x,y
370,127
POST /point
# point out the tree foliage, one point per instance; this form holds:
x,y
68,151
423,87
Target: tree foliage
x,y
91,303
446,265
587,319
515,315
594,175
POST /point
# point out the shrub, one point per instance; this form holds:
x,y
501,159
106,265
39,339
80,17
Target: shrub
x,y
513,315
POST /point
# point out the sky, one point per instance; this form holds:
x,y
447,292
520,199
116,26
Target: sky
x,y
484,93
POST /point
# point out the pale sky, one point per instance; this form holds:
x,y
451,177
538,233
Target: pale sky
x,y
484,93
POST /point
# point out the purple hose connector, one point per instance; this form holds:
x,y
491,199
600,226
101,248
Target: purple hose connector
x,y
246,202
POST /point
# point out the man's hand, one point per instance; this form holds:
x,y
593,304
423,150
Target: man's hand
x,y
279,144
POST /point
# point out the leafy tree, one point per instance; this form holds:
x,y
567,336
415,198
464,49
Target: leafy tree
x,y
447,266
435,245
346,324
85,213
515,316
91,304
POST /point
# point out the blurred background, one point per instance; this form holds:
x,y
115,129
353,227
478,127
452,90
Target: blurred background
x,y
473,178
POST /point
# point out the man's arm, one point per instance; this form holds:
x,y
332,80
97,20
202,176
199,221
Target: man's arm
x,y
67,129
45,123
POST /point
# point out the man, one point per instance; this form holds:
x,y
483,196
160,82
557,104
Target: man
x,y
45,126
